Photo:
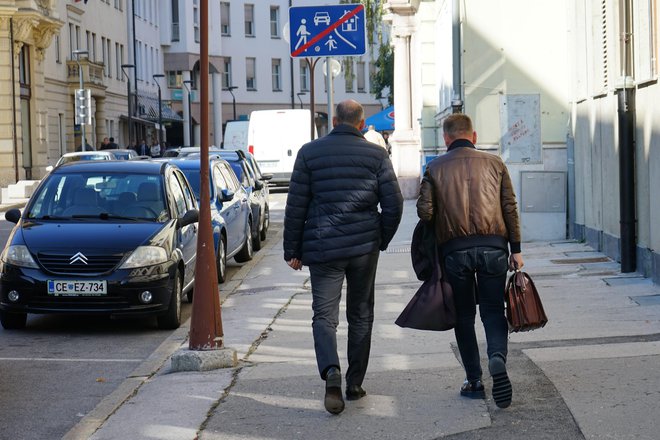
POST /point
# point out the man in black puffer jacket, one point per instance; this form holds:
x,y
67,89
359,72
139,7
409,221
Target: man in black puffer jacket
x,y
333,225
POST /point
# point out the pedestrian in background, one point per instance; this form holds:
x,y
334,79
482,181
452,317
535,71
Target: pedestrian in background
x,y
105,143
333,225
468,196
112,145
143,148
373,136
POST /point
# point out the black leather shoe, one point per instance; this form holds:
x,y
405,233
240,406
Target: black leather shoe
x,y
355,392
334,402
473,389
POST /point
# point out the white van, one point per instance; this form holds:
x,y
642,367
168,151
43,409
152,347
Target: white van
x,y
236,134
274,138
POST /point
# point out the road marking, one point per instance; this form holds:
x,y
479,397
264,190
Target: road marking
x,y
67,360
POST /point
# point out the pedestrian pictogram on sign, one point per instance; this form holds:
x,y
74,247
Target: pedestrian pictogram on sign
x,y
327,30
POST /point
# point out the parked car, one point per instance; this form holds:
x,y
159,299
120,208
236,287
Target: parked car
x,y
256,185
81,156
114,238
185,151
125,154
231,217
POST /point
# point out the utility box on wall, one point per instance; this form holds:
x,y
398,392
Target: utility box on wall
x,y
543,205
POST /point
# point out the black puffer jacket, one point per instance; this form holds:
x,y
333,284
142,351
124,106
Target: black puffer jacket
x,y
332,212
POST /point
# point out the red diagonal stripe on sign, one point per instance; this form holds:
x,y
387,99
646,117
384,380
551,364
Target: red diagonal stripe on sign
x,y
329,29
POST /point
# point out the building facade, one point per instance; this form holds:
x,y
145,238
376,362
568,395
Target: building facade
x,y
455,56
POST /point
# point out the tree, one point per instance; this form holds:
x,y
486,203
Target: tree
x,y
383,76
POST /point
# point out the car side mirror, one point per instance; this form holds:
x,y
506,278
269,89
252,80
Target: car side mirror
x,y
226,195
266,176
188,218
13,215
258,185
49,168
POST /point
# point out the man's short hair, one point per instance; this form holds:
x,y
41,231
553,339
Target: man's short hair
x,y
457,124
349,112
112,139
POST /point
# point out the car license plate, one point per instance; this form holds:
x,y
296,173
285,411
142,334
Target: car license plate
x,y
77,288
269,164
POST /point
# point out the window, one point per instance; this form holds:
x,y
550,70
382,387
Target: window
x,y
175,20
118,61
249,20
276,64
304,76
275,22
349,77
226,72
119,5
250,72
361,76
645,46
58,55
104,57
196,19
108,70
174,79
225,28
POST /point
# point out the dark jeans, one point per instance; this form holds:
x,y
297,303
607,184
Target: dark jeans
x,y
327,280
478,272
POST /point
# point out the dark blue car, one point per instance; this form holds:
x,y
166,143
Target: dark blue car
x,y
102,237
256,184
231,217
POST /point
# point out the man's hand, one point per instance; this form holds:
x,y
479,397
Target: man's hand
x,y
516,261
295,264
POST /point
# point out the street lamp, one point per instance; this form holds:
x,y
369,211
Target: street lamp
x,y
160,106
233,98
190,125
77,53
128,96
299,97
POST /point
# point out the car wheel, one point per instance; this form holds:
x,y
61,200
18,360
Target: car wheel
x,y
221,260
264,229
171,319
246,251
256,238
13,321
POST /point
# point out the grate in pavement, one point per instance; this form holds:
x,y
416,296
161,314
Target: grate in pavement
x,y
398,250
650,300
581,260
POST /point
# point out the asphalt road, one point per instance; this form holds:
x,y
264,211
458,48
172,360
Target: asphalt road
x,y
59,368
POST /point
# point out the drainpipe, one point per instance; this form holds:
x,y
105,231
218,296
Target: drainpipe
x,y
626,118
13,96
457,96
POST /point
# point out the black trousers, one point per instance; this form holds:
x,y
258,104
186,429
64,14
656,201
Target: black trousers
x,y
478,271
327,280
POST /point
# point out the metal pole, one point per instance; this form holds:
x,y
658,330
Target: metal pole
x,y
206,320
128,97
160,106
626,105
457,95
328,87
188,84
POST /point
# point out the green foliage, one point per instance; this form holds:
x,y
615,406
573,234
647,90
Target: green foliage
x,y
384,60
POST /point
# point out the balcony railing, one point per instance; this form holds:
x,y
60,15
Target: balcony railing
x,y
92,72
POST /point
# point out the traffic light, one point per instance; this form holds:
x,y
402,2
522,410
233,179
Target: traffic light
x,y
83,107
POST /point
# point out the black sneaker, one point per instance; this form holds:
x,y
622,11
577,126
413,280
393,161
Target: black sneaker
x,y
502,390
334,402
473,389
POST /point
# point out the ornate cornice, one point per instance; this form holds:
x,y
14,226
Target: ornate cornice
x,y
36,29
402,7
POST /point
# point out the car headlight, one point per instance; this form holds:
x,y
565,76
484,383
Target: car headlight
x,y
145,256
18,255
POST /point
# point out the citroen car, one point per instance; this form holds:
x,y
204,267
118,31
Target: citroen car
x,y
116,238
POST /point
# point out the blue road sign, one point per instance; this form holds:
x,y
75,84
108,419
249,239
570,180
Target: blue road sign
x,y
324,31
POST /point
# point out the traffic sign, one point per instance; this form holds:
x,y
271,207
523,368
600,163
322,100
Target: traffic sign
x,y
324,31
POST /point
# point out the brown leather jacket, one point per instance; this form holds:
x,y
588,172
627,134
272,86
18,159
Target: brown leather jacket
x,y
469,195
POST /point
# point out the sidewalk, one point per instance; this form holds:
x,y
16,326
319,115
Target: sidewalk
x,y
590,373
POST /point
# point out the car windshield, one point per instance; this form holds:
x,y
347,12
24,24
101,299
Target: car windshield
x,y
100,195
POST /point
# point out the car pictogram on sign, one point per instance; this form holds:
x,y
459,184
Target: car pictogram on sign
x,y
322,17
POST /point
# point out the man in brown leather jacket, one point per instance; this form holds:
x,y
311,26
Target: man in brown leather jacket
x,y
468,195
